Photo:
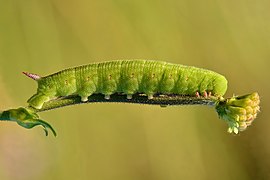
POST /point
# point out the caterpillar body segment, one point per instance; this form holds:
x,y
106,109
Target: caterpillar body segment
x,y
128,77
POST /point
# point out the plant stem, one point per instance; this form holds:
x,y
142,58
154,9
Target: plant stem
x,y
237,111
163,100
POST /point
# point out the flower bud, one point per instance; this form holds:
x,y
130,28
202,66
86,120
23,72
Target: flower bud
x,y
239,111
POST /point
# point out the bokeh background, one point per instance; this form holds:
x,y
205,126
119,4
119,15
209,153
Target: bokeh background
x,y
134,142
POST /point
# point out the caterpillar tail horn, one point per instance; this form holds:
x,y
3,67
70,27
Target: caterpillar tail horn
x,y
32,76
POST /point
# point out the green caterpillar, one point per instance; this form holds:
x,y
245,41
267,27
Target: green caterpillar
x,y
128,77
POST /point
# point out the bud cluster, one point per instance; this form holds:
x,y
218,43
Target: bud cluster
x,y
239,111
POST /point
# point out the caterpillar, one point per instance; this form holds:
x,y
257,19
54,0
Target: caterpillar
x,y
127,77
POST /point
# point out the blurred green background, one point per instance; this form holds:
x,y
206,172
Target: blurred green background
x,y
134,142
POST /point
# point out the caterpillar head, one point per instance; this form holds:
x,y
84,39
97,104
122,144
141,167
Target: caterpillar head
x,y
220,85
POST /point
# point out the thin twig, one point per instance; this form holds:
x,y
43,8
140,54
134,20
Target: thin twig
x,y
162,100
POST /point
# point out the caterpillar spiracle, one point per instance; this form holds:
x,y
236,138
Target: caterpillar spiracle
x,y
127,77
